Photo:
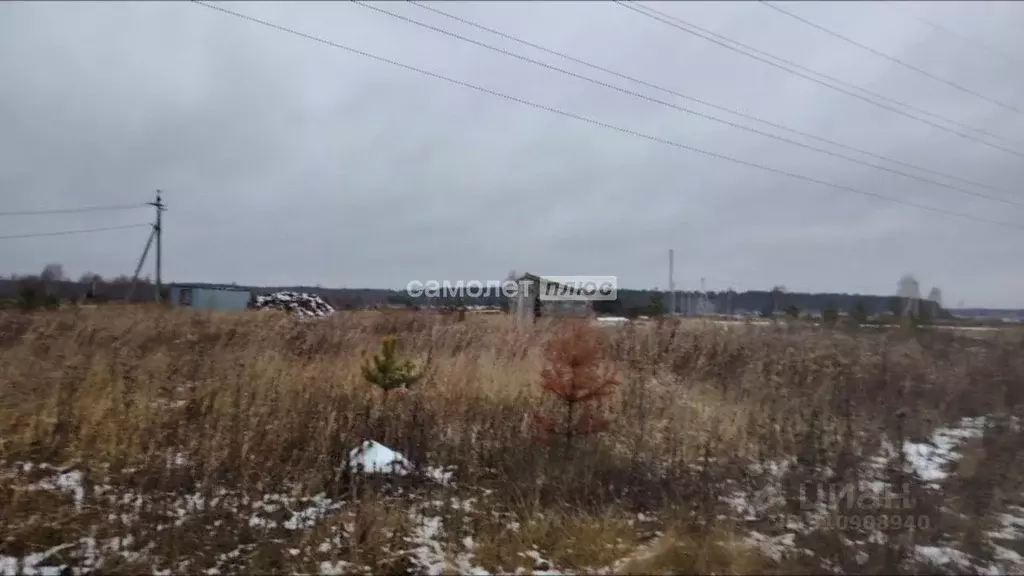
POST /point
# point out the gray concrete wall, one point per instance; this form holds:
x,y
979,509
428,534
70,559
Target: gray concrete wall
x,y
211,299
521,307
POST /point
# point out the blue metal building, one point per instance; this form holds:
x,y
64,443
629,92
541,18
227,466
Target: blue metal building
x,y
222,298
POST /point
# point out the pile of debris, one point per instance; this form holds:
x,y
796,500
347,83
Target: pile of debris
x,y
298,303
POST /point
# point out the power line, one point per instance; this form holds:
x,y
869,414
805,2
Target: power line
x,y
697,100
890,58
600,123
757,55
74,210
966,39
67,232
672,21
676,107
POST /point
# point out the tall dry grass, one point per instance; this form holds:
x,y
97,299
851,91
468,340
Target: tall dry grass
x,y
262,402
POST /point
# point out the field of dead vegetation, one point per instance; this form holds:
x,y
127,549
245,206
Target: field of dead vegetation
x,y
161,441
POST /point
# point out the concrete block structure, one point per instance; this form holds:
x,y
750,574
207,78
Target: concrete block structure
x,y
527,306
221,298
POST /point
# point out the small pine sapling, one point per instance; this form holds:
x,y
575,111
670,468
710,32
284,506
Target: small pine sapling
x,y
576,376
387,371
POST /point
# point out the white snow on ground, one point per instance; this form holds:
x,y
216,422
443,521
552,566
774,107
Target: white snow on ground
x,y
541,566
335,568
774,547
374,458
1008,556
273,513
1011,525
68,482
1010,528
944,557
950,559
427,554
931,460
90,557
264,514
464,560
29,565
749,506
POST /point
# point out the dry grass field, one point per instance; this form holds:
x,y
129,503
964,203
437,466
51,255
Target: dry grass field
x,y
146,440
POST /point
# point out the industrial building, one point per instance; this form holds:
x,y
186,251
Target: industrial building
x,y
221,298
528,304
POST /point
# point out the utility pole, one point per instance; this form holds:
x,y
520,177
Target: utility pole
x,y
142,260
671,282
158,231
702,306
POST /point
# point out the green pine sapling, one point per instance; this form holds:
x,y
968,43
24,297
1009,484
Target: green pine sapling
x,y
387,371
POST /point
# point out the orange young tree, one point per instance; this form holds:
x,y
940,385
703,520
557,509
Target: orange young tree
x,y
578,378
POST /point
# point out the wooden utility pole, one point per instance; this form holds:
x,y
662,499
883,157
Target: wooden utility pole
x,y
158,231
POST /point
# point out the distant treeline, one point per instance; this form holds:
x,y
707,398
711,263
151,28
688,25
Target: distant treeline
x,y
629,302
768,302
759,302
66,290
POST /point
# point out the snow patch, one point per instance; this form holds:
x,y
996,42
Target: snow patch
x,y
335,568
943,556
931,460
776,548
67,482
372,457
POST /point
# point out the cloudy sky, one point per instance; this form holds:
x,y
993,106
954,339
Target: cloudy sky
x,y
288,161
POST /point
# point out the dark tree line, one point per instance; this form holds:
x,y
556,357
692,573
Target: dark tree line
x,y
52,283
763,303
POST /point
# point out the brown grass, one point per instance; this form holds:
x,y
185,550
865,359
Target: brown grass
x,y
259,403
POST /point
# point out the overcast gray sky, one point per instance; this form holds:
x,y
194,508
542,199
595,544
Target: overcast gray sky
x,y
286,161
